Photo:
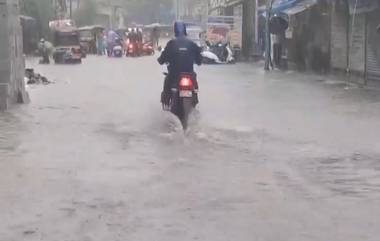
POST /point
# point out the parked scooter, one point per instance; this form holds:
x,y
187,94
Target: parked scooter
x,y
184,97
218,53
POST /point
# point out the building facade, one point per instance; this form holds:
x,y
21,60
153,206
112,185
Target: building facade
x,y
110,13
246,11
12,86
355,42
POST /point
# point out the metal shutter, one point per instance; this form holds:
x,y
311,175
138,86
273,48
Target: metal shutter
x,y
373,47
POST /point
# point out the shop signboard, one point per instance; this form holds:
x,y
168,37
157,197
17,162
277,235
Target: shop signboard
x,y
217,3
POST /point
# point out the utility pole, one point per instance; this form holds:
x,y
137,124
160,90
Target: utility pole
x,y
267,35
71,9
249,12
177,14
205,17
256,22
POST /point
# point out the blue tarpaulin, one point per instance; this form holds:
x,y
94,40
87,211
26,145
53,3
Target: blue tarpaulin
x,y
288,7
281,5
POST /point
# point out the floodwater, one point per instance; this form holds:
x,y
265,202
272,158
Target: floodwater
x,y
268,157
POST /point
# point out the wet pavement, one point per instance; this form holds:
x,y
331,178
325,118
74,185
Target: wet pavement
x,y
268,157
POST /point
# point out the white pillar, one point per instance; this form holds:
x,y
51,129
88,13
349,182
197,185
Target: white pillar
x,y
12,86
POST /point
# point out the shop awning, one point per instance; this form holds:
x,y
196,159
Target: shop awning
x,y
288,7
300,7
281,5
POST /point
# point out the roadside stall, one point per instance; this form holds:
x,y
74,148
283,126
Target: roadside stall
x,y
88,36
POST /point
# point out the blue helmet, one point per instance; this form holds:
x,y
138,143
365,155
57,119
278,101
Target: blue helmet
x,y
180,29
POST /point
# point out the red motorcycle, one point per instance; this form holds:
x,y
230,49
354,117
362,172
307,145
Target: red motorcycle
x,y
132,50
184,97
147,49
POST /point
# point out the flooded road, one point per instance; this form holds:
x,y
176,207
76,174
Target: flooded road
x,y
268,157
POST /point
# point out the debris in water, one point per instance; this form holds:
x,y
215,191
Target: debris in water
x,y
29,232
34,78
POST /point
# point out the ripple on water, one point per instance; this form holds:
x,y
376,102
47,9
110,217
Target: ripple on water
x,y
356,175
10,128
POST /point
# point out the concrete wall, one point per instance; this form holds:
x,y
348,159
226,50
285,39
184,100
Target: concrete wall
x,y
12,86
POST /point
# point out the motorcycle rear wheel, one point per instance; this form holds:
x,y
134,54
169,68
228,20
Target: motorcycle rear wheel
x,y
187,108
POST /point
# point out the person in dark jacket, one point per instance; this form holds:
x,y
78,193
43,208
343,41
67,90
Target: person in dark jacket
x,y
180,54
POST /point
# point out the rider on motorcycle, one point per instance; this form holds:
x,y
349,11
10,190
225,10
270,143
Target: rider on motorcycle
x,y
180,54
133,39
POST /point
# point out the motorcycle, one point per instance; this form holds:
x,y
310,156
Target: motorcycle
x,y
117,51
184,97
132,50
217,54
147,49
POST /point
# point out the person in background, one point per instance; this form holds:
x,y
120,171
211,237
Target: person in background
x,y
44,51
104,43
100,43
133,37
140,39
276,49
155,37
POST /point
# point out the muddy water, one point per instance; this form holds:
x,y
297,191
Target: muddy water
x,y
268,157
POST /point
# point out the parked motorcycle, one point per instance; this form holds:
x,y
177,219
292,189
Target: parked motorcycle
x,y
217,54
184,98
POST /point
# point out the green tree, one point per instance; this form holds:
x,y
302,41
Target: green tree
x,y
86,13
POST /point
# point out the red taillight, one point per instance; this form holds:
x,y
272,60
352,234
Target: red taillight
x,y
76,51
186,83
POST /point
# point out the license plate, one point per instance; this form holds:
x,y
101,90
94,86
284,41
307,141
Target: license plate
x,y
186,93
